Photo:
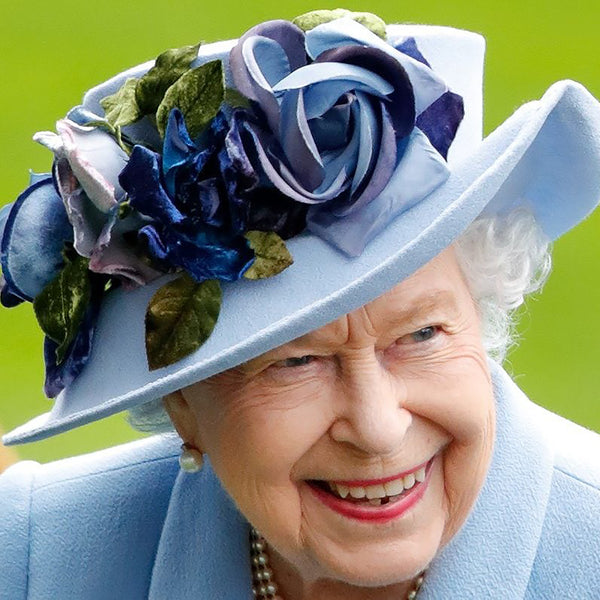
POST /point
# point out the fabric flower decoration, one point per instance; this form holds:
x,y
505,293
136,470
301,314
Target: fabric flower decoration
x,y
328,128
339,107
88,161
34,230
191,224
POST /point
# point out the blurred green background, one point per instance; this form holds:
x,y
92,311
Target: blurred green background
x,y
52,52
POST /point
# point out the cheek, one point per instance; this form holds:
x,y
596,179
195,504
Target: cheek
x,y
470,423
454,392
258,438
258,448
465,469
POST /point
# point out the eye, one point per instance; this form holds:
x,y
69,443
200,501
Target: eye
x,y
296,361
421,335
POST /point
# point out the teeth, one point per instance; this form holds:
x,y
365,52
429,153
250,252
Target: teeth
x,y
358,492
374,494
342,490
393,488
409,481
376,491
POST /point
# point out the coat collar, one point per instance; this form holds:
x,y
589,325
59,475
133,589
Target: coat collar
x,y
203,551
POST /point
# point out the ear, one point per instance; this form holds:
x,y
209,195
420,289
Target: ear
x,y
183,418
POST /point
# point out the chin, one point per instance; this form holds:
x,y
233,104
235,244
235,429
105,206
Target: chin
x,y
377,565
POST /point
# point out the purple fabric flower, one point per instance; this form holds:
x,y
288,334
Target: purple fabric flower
x,y
194,226
87,163
216,174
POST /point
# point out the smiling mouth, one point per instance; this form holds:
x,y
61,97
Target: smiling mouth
x,y
362,499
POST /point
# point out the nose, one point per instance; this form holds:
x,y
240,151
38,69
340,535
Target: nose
x,y
369,403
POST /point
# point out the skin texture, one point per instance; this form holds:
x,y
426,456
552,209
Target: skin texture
x,y
378,392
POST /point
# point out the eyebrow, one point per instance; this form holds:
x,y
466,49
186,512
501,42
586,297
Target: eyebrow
x,y
428,304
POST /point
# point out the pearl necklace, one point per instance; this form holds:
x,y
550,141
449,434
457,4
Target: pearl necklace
x,y
263,585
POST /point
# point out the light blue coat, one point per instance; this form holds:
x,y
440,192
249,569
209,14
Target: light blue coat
x,y
125,524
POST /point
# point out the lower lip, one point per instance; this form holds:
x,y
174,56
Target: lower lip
x,y
375,514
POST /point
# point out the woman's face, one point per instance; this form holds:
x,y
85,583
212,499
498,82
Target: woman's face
x,y
393,400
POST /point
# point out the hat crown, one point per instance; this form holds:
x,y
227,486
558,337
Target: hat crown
x,y
457,56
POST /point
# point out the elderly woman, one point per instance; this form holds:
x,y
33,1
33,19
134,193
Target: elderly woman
x,y
345,430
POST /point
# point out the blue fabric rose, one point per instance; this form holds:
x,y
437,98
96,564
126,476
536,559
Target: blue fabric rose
x,y
336,110
33,232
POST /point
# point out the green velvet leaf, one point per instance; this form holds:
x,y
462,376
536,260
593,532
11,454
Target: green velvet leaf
x,y
310,20
61,305
167,69
121,108
198,94
180,318
271,254
235,99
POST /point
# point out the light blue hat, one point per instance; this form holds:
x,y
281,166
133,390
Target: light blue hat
x,y
360,156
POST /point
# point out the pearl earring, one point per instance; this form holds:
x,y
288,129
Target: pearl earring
x,y
190,459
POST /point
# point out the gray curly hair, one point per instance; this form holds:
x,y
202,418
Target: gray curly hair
x,y
503,258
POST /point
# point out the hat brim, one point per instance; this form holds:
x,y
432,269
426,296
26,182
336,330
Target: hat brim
x,y
546,157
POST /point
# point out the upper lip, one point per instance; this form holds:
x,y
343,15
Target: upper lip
x,y
381,480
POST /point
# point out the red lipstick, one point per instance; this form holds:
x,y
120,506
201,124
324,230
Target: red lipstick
x,y
367,482
375,514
